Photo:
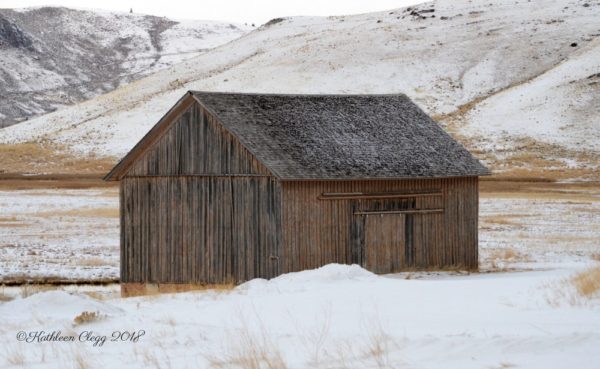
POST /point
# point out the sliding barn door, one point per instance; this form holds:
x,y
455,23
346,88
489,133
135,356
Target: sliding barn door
x,y
384,242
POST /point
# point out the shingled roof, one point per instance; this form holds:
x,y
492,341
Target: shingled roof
x,y
340,136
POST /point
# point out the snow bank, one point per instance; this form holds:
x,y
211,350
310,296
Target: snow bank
x,y
55,305
321,318
309,279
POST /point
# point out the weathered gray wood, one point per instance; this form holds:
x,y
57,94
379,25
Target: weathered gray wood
x,y
442,230
198,207
204,230
385,242
196,144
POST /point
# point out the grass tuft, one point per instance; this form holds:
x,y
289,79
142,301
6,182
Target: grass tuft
x,y
87,317
587,283
14,356
250,350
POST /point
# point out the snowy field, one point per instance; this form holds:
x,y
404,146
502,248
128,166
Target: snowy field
x,y
50,234
530,307
74,234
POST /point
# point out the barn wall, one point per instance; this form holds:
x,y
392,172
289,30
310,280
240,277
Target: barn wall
x,y
197,229
196,144
318,231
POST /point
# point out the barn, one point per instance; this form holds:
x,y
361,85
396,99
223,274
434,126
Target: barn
x,y
227,187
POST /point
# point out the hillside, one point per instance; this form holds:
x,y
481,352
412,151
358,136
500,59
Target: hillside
x,y
516,83
53,57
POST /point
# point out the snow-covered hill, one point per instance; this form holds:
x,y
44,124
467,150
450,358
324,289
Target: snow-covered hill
x,y
487,69
52,57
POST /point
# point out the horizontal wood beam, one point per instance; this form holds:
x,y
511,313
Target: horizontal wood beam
x,y
375,195
411,211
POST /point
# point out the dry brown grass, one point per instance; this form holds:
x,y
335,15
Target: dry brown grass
x,y
584,192
504,365
97,295
377,348
499,259
12,222
506,254
595,256
4,297
31,289
82,212
151,290
35,157
87,317
151,360
79,359
250,351
92,262
224,287
587,283
502,220
18,182
452,120
14,225
14,356
530,158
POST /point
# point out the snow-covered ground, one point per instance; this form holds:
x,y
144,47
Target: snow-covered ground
x,y
520,233
516,57
523,310
333,317
50,234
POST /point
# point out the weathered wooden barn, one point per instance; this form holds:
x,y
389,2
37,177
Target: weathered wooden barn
x,y
227,187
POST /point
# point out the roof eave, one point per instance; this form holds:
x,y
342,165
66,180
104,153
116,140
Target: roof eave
x,y
404,178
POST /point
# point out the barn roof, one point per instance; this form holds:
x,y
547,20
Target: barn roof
x,y
340,136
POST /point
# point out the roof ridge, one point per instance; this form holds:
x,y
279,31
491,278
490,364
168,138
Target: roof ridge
x,y
197,92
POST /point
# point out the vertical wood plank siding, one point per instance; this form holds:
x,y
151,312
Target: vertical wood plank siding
x,y
199,229
196,144
317,232
231,229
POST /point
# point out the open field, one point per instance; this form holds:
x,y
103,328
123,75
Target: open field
x,y
70,233
58,234
534,304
